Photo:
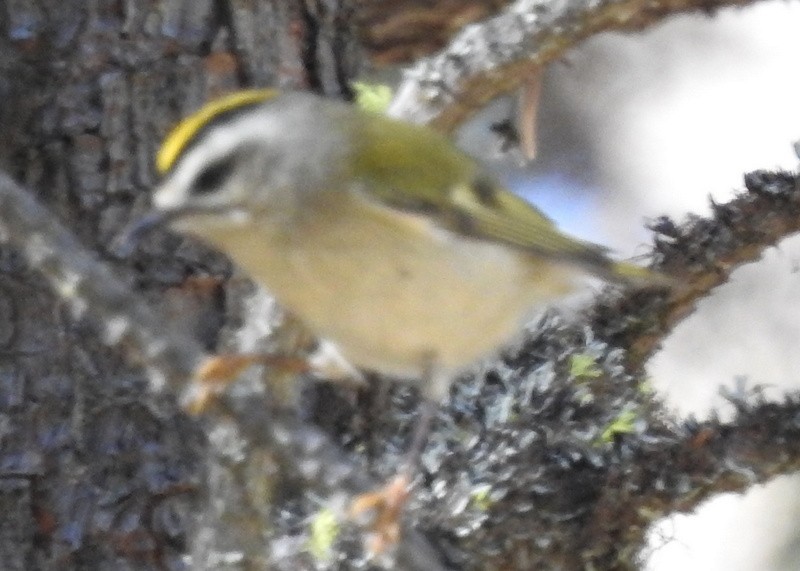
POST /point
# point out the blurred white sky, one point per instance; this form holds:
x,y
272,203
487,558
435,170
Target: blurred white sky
x,y
645,124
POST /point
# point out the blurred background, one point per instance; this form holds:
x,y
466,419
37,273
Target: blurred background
x,y
635,126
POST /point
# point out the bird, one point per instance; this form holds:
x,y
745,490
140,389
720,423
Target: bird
x,y
379,235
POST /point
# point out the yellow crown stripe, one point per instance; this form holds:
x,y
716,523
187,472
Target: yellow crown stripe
x,y
184,132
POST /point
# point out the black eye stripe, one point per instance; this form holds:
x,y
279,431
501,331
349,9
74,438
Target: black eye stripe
x,y
212,177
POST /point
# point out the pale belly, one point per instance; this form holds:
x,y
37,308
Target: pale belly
x,y
392,301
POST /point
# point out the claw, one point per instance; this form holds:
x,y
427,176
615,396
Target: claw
x,y
387,504
216,372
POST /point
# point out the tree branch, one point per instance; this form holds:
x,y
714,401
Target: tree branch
x,y
491,58
403,30
700,255
575,454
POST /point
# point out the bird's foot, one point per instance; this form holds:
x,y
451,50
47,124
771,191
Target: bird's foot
x,y
385,506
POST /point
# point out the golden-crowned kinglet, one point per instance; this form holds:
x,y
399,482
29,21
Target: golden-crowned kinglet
x,y
379,235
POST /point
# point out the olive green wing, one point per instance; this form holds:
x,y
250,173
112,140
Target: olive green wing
x,y
418,170
484,210
489,212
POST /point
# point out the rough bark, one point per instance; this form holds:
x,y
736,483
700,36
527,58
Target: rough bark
x,y
97,471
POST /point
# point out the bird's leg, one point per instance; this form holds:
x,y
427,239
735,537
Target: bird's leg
x,y
422,429
388,502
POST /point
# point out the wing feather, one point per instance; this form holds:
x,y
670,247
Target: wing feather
x,y
418,170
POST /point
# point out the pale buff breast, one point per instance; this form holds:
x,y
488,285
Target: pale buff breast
x,y
391,291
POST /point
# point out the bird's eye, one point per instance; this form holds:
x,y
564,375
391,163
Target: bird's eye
x,y
212,177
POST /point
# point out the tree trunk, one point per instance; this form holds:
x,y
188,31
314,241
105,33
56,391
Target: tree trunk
x,y
95,471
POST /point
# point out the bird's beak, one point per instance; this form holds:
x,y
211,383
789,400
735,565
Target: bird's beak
x,y
125,243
